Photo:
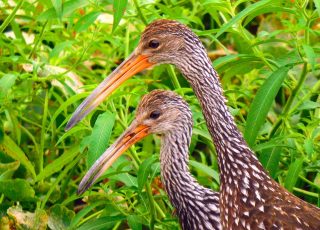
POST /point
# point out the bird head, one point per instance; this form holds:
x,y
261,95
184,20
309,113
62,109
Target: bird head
x,y
163,41
159,112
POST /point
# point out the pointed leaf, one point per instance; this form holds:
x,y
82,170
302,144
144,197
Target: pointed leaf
x,y
144,171
118,11
9,147
293,174
262,103
17,190
99,138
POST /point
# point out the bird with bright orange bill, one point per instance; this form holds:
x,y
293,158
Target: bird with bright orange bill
x,y
249,197
168,115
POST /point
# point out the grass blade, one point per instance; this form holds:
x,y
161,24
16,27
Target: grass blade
x,y
293,174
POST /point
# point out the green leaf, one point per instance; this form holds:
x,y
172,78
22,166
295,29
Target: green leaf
x,y
59,217
207,170
9,147
134,222
307,105
7,170
240,16
17,190
58,163
144,171
99,138
270,159
262,103
118,11
311,56
57,4
317,3
58,48
6,82
101,223
86,21
83,212
126,178
293,174
67,8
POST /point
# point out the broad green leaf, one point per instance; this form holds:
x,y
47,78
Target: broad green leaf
x,y
118,11
262,103
57,4
207,170
86,21
101,223
134,222
270,159
58,163
17,190
144,171
6,82
126,178
9,147
99,138
59,217
293,174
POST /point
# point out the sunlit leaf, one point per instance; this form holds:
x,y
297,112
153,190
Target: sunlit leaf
x,y
262,103
118,11
293,174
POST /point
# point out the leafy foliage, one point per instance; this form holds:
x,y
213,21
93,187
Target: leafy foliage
x,y
53,53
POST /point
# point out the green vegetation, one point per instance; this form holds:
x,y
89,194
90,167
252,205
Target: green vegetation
x,y
53,53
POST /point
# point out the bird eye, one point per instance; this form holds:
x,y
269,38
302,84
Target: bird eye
x,y
155,115
154,44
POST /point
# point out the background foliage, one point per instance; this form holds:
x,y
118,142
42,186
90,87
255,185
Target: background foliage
x,y
53,53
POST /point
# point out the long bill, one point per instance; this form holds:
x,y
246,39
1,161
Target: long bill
x,y
132,65
132,135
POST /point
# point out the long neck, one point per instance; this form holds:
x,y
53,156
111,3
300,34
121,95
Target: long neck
x,y
234,155
195,205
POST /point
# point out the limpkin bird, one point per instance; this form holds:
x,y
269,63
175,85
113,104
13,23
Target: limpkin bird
x,y
167,114
249,197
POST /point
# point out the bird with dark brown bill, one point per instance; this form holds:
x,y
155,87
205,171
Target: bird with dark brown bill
x,y
168,115
249,197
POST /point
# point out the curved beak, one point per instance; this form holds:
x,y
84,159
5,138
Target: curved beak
x,y
132,135
132,65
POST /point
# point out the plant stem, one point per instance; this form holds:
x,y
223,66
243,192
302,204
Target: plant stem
x,y
306,192
39,39
173,77
43,132
10,17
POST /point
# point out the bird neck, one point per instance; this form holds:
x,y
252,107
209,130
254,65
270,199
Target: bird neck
x,y
232,150
184,191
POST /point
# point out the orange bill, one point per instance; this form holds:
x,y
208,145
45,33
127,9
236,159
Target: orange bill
x,y
132,65
132,135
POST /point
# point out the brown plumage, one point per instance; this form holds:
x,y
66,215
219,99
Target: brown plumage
x,y
249,198
167,114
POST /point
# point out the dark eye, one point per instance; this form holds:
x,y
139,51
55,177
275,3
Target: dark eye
x,y
154,44
155,115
